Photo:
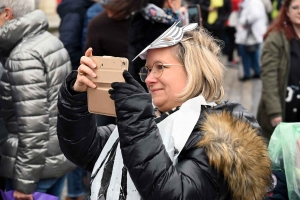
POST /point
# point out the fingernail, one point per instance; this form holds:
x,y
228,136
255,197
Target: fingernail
x,y
94,75
94,65
91,48
95,86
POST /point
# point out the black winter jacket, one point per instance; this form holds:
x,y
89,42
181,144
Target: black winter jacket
x,y
224,158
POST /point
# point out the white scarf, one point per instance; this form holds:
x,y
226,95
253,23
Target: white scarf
x,y
175,131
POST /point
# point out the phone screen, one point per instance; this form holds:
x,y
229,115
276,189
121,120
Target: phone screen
x,y
194,16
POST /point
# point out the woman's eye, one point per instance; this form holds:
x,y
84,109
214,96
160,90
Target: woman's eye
x,y
160,67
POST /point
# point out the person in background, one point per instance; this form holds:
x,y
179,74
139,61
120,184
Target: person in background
x,y
113,23
251,26
113,38
36,65
268,8
216,25
183,147
92,12
146,25
280,100
72,13
230,31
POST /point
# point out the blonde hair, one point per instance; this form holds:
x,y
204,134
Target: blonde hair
x,y
198,51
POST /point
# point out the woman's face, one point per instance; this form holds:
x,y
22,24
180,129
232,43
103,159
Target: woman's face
x,y
294,12
172,81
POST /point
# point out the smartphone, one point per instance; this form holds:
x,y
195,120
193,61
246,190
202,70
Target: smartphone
x,y
194,14
109,69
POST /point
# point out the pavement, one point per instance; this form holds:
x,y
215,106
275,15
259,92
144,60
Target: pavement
x,y
246,93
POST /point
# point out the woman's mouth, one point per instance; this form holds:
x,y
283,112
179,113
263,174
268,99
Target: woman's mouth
x,y
153,91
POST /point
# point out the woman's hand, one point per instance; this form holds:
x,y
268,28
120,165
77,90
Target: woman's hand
x,y
275,121
84,70
21,196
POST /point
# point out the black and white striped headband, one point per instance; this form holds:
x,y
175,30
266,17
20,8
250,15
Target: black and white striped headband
x,y
170,37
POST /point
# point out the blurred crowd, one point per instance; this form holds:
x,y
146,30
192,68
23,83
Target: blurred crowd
x,y
263,36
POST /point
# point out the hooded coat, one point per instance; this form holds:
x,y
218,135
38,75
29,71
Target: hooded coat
x,y
36,65
225,156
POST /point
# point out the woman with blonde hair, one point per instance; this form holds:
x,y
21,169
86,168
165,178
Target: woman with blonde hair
x,y
188,146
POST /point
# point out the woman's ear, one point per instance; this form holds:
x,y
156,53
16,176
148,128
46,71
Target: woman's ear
x,y
8,15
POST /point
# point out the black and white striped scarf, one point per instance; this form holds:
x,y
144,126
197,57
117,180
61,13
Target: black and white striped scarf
x,y
108,166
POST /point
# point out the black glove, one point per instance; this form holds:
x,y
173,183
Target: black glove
x,y
133,108
122,90
130,97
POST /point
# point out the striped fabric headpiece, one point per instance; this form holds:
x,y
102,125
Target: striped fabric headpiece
x,y
170,37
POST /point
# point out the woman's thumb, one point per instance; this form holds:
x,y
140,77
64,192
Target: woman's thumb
x,y
89,52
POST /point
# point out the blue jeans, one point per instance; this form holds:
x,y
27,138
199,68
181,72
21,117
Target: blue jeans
x,y
75,183
250,60
53,186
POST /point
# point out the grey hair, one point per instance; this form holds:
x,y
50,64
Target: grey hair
x,y
19,7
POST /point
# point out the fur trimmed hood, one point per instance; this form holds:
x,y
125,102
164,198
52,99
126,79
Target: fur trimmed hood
x,y
236,150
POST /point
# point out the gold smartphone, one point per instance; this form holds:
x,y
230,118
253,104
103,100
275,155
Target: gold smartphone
x,y
109,69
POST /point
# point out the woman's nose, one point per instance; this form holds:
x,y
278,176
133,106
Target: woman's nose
x,y
150,79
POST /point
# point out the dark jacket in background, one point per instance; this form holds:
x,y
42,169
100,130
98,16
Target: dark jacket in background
x,y
92,12
279,191
227,133
72,13
141,33
3,131
107,36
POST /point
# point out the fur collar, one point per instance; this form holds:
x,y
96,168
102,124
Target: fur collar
x,y
234,149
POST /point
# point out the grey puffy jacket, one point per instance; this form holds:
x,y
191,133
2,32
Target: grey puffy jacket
x,y
36,65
